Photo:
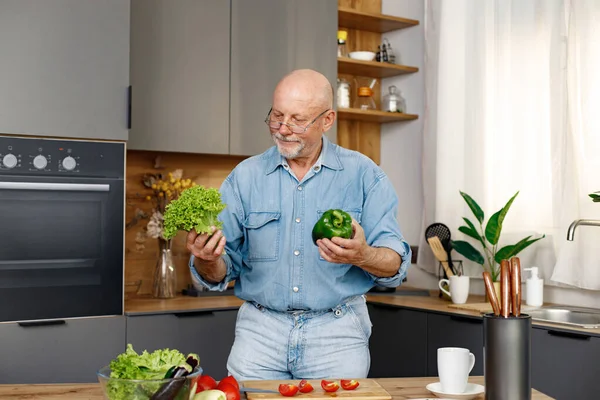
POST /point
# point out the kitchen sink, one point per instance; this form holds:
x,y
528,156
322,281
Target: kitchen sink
x,y
574,316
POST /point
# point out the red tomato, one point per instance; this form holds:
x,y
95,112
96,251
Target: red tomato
x,y
206,382
287,389
329,386
305,386
231,379
349,384
231,392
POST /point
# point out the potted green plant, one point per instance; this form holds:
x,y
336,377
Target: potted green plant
x,y
488,238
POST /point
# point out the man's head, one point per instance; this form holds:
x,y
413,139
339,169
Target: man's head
x,y
298,99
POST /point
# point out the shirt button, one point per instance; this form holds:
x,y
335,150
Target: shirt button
x,y
296,252
297,219
299,187
295,289
316,168
285,166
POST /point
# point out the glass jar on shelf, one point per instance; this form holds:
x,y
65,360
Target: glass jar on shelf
x,y
394,102
343,93
364,99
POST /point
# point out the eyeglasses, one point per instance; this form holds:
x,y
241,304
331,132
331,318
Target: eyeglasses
x,y
275,125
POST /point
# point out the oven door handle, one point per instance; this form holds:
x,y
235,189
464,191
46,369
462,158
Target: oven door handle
x,y
67,187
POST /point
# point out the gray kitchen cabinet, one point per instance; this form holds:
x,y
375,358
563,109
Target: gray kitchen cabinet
x,y
180,75
454,331
270,38
65,68
565,364
210,334
398,343
65,351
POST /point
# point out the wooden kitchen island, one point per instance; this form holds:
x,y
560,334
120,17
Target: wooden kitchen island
x,y
399,388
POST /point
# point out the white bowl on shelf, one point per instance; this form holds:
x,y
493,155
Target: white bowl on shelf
x,y
362,55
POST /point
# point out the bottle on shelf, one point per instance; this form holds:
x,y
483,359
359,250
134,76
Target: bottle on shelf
x,y
341,40
390,52
378,54
384,54
394,102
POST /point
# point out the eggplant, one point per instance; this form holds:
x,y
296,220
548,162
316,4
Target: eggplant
x,y
169,390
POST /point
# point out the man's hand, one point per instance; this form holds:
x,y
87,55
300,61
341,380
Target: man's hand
x,y
379,261
207,250
206,247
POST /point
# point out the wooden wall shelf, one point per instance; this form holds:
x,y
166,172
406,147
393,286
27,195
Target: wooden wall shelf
x,y
380,23
354,114
372,69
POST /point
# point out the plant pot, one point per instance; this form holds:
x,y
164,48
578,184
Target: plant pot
x,y
164,285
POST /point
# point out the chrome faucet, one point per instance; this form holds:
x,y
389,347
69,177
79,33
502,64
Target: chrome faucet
x,y
577,222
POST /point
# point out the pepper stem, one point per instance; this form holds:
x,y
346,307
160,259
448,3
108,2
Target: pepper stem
x,y
338,219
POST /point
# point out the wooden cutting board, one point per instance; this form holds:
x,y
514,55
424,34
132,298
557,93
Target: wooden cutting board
x,y
482,307
368,389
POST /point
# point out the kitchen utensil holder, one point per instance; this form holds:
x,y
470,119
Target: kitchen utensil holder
x,y
507,357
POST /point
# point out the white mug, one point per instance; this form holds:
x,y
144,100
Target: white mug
x,y
459,288
454,366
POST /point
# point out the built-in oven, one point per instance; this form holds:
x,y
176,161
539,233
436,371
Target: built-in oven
x,y
61,228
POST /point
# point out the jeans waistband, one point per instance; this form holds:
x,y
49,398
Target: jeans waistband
x,y
336,309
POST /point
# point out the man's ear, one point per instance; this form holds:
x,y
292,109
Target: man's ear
x,y
328,120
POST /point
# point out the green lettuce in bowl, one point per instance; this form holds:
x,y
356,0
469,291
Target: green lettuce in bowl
x,y
161,375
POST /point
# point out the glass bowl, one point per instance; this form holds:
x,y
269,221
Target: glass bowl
x,y
135,389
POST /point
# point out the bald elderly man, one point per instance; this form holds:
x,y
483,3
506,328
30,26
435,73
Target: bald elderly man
x,y
304,315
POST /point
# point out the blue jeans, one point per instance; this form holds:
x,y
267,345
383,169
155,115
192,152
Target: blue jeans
x,y
301,344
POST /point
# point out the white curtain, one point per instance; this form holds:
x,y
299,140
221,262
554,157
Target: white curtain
x,y
512,98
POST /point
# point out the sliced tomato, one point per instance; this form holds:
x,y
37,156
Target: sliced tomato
x,y
287,389
206,382
349,384
231,392
329,386
305,386
231,379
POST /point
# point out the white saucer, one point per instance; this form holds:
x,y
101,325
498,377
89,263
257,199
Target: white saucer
x,y
471,391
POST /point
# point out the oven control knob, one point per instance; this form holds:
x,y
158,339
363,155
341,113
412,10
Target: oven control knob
x,y
40,162
9,161
69,163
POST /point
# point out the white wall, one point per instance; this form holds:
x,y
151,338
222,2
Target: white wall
x,y
401,148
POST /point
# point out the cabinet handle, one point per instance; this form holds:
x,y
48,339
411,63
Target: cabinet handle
x,y
129,100
476,321
193,314
51,322
570,335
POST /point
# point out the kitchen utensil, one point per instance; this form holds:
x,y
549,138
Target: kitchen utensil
x,y
507,357
244,389
515,285
505,288
443,233
440,254
491,293
368,389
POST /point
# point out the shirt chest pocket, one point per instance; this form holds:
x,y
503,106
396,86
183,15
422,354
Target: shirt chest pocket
x,y
354,213
263,230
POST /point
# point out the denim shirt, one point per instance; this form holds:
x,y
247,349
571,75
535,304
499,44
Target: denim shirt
x,y
268,224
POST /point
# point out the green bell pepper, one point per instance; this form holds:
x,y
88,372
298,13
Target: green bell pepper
x,y
333,223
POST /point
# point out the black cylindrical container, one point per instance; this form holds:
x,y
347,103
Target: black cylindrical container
x,y
507,357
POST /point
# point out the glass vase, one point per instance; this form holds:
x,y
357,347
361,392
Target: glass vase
x,y
164,285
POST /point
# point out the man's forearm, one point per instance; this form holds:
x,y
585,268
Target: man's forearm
x,y
381,261
213,272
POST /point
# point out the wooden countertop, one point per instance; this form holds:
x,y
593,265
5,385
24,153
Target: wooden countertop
x,y
399,388
181,304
